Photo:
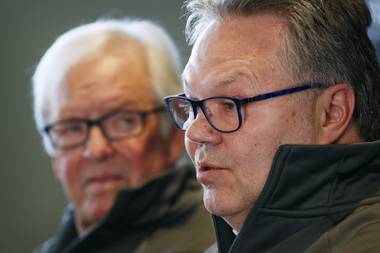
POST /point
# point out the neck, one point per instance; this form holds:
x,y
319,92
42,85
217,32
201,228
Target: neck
x,y
350,135
236,221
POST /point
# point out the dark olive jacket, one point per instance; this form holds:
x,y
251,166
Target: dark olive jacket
x,y
317,199
164,216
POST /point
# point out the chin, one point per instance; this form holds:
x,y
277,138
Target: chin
x,y
217,203
96,209
229,205
100,212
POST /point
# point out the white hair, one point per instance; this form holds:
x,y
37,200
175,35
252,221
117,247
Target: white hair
x,y
162,57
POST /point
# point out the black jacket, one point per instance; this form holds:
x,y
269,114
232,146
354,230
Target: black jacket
x,y
165,215
317,199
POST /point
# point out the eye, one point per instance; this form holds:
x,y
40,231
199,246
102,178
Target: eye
x,y
220,106
228,105
127,121
123,121
68,129
74,128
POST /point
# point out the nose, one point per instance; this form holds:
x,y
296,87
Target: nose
x,y
97,147
200,131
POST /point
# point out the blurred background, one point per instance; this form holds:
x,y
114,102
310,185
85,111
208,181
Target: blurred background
x,y
31,201
374,31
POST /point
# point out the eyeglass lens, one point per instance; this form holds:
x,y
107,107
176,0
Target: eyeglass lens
x,y
221,113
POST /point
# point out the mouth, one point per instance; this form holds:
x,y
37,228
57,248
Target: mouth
x,y
103,179
208,168
204,166
207,172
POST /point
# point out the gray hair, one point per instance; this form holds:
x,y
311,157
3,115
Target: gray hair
x,y
326,41
162,57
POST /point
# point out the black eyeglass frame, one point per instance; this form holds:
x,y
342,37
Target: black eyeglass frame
x,y
97,122
238,102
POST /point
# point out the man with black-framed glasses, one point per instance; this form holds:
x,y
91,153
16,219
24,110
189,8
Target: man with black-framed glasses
x,y
98,106
281,113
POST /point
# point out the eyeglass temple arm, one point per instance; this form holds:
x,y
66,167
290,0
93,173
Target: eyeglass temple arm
x,y
282,92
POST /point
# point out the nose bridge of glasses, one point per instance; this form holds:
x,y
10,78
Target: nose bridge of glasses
x,y
97,145
196,104
200,104
99,124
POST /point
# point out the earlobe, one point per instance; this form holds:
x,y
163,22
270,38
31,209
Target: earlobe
x,y
335,109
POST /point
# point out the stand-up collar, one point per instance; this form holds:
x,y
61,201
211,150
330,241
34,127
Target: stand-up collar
x,y
159,201
135,213
310,179
306,183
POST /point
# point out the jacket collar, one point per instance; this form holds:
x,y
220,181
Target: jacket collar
x,y
307,182
318,177
159,201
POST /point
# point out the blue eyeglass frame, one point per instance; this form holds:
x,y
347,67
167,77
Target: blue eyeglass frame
x,y
238,102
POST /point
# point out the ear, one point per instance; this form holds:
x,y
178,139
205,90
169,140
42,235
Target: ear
x,y
335,107
176,145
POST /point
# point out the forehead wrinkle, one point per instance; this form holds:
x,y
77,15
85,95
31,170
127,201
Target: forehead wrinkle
x,y
221,78
224,74
230,78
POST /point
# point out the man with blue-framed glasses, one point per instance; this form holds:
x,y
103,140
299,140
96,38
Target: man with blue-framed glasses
x,y
98,107
281,108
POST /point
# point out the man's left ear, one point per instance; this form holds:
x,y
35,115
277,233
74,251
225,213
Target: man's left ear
x,y
176,143
335,107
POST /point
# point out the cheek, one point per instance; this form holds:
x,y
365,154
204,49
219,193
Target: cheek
x,y
67,170
280,123
252,154
131,151
143,148
141,159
